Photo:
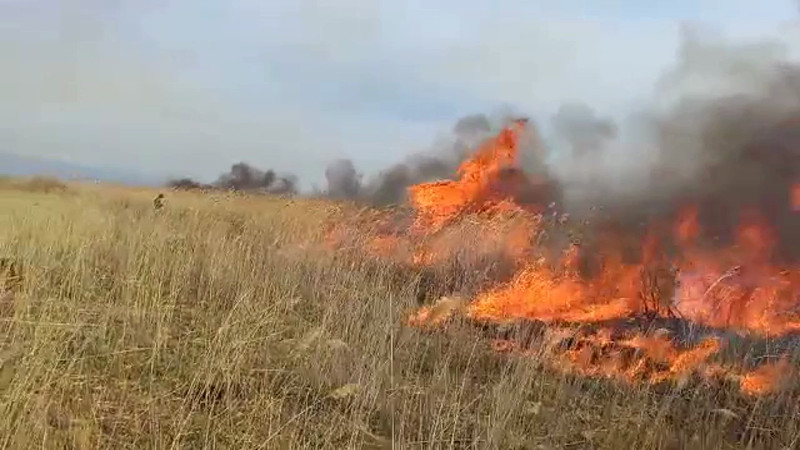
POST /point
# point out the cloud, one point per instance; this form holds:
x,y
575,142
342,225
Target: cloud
x,y
188,87
92,91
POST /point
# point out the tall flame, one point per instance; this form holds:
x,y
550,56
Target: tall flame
x,y
438,203
734,286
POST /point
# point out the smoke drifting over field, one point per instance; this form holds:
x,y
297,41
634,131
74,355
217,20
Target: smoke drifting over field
x,y
722,132
343,180
244,177
390,186
726,137
697,225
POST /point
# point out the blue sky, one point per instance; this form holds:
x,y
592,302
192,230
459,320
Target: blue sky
x,y
187,87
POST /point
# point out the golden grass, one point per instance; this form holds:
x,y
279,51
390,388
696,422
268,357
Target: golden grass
x,y
40,184
214,323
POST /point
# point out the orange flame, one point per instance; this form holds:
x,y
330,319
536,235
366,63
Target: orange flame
x,y
734,287
767,378
438,203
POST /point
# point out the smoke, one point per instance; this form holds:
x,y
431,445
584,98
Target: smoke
x,y
390,186
475,125
187,184
283,185
582,129
440,162
722,133
738,150
343,180
246,178
581,154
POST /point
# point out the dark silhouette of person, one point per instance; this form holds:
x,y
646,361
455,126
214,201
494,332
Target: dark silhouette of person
x,y
158,202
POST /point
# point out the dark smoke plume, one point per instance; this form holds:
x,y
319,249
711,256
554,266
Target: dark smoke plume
x,y
187,184
283,185
344,182
531,180
582,129
244,177
584,143
724,134
738,151
390,186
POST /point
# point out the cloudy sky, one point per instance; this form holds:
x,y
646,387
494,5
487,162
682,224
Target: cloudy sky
x,y
187,87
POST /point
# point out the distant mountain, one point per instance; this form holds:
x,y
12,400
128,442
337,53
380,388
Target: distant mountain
x,y
17,165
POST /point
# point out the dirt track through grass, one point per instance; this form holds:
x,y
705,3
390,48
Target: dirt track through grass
x,y
216,323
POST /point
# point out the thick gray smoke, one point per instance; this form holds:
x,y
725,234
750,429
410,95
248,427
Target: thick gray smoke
x,y
246,178
344,181
738,150
582,130
390,186
724,134
187,184
585,142
531,182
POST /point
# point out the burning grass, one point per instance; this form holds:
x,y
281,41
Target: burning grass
x,y
738,285
230,322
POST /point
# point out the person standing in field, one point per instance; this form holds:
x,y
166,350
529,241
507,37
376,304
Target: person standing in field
x,y
158,202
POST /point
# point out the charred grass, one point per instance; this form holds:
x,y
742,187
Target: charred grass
x,y
217,323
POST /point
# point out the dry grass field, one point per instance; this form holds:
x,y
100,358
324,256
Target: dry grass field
x,y
219,322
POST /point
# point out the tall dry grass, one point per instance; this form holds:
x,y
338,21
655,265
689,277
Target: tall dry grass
x,y
34,184
215,323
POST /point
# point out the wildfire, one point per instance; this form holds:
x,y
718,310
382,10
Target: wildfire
x,y
541,293
766,378
438,203
677,275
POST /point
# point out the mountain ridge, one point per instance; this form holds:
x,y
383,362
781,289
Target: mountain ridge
x,y
17,165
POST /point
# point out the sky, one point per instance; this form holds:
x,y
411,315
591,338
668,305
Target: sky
x,y
188,87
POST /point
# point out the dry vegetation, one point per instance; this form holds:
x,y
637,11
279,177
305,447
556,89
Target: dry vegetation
x,y
40,184
217,322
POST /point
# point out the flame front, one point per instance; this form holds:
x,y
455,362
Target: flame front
x,y
439,203
735,286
